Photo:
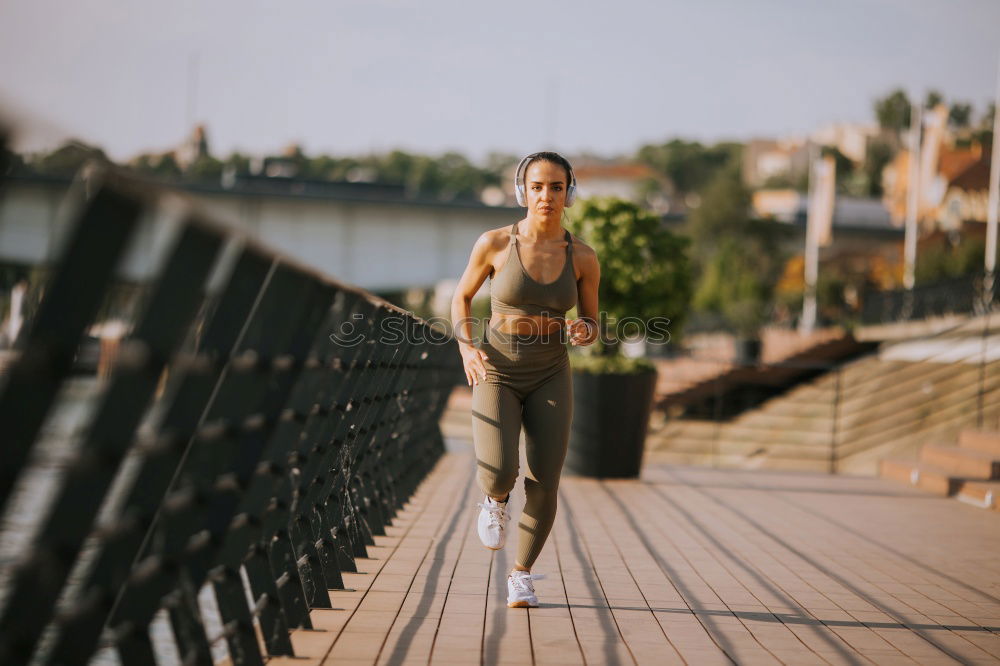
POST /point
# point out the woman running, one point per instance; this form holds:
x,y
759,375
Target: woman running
x,y
520,374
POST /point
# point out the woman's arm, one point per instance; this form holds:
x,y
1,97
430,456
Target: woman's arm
x,y
584,329
478,269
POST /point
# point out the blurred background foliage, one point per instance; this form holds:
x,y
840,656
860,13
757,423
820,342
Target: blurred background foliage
x,y
717,265
645,270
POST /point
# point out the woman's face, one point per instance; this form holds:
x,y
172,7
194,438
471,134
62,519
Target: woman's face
x,y
545,189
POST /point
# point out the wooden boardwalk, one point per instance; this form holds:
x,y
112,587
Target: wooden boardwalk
x,y
686,565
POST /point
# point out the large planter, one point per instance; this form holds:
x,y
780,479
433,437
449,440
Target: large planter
x,y
610,421
747,350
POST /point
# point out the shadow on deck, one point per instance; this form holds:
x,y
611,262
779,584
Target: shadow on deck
x,y
684,565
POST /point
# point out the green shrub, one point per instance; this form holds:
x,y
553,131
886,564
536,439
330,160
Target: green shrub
x,y
645,272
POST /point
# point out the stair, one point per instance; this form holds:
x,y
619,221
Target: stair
x,y
874,410
926,477
887,404
713,380
978,440
970,471
985,494
962,462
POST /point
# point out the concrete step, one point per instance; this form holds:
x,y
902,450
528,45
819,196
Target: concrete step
x,y
920,475
980,440
690,428
895,421
796,407
777,434
897,470
985,494
918,401
681,445
962,462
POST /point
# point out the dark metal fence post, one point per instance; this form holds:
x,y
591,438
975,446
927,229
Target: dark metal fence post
x,y
836,415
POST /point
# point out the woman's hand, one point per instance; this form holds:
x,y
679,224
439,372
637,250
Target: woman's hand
x,y
473,360
581,331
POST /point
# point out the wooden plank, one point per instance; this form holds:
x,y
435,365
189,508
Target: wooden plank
x,y
506,638
364,615
438,598
597,636
695,566
730,615
633,613
550,626
844,596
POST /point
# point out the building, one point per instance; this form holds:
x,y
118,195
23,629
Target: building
x,y
371,235
850,139
633,182
966,197
866,246
769,160
765,160
954,192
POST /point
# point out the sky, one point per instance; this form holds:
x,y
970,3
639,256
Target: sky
x,y
351,77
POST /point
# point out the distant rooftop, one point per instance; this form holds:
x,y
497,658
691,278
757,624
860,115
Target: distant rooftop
x,y
858,213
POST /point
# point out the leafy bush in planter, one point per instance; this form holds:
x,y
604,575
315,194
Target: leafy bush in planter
x,y
732,284
645,271
738,258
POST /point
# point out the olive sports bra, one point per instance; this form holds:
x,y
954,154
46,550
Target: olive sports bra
x,y
513,291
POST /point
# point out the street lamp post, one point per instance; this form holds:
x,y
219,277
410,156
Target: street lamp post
x,y
912,199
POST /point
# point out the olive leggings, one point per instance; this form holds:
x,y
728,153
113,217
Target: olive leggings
x,y
527,381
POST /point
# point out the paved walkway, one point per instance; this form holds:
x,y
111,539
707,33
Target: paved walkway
x,y
686,565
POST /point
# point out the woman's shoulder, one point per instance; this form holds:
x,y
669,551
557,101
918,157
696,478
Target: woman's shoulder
x,y
489,244
581,249
494,239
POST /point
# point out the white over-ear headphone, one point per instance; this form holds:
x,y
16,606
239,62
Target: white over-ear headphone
x,y
519,180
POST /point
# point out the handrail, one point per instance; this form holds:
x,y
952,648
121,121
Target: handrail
x,y
967,294
275,449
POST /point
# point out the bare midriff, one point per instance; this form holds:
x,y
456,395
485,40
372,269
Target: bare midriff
x,y
523,323
526,324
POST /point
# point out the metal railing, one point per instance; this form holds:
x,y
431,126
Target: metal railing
x,y
968,294
240,442
837,416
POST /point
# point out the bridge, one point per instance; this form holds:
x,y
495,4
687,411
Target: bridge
x,y
684,566
277,468
332,227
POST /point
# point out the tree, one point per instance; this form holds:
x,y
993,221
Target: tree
x,y
949,259
987,120
67,158
960,115
395,168
984,134
934,98
10,162
688,164
734,286
459,178
843,166
724,210
161,165
645,271
204,168
738,259
238,163
878,155
893,111
497,165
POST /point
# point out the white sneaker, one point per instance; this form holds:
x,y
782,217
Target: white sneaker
x,y
493,522
521,591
